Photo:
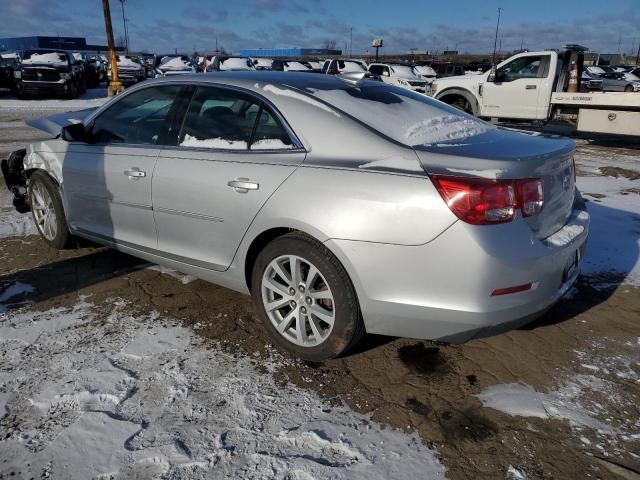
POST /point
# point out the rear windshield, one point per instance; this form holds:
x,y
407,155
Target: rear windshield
x,y
405,116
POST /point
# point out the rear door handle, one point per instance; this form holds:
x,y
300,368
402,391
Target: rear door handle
x,y
243,185
135,172
531,87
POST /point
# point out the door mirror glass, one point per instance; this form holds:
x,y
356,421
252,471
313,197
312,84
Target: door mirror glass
x,y
76,132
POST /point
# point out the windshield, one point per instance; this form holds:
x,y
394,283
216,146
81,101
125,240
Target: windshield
x,y
405,116
631,77
50,58
124,59
403,70
596,70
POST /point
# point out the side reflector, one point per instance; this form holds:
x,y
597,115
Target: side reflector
x,y
508,290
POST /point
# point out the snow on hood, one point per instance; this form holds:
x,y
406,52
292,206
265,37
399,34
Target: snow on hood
x,y
128,63
176,63
50,58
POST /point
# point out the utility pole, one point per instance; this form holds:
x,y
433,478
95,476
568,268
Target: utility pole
x,y
495,42
638,55
124,26
351,44
115,86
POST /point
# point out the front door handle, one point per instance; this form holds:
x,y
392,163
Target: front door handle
x,y
135,172
243,185
531,87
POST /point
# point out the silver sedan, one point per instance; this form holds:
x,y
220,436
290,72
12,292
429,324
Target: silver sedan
x,y
343,206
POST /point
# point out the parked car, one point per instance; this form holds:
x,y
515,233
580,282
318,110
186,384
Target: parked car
x,y
594,70
401,75
262,63
48,72
7,68
229,63
148,61
340,66
590,83
175,65
90,73
130,70
316,67
477,228
448,69
424,70
289,66
620,82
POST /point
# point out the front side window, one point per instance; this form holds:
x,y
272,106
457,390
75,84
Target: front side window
x,y
231,120
523,67
138,118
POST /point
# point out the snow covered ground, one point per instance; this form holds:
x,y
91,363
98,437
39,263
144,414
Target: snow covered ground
x,y
109,395
94,97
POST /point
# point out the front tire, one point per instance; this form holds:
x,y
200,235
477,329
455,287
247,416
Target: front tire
x,y
628,88
48,212
305,298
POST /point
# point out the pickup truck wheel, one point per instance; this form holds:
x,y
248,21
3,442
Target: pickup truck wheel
x,y
305,298
48,212
462,104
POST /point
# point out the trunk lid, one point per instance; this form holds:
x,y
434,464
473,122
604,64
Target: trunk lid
x,y
508,154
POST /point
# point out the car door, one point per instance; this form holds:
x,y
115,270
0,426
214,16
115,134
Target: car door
x,y
233,151
520,89
107,183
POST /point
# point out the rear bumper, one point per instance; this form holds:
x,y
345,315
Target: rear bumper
x,y
442,290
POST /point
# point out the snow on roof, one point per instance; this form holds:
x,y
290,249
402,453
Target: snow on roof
x,y
176,63
235,63
47,58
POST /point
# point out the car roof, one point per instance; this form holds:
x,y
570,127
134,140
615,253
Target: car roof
x,y
248,79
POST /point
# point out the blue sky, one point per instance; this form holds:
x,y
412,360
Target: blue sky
x,y
163,25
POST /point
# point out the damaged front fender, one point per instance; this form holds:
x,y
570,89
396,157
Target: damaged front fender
x,y
16,180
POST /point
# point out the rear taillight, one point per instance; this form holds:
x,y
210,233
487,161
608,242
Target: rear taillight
x,y
530,196
487,202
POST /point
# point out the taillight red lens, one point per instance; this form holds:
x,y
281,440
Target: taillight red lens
x,y
487,202
530,196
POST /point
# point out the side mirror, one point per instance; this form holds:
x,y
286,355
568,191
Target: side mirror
x,y
76,132
491,78
385,73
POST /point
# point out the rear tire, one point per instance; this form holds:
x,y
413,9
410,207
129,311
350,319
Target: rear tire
x,y
319,317
48,211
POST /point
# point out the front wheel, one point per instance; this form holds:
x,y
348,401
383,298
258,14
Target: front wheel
x,y
48,212
628,88
305,298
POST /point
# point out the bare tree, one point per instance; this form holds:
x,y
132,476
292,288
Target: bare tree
x,y
329,44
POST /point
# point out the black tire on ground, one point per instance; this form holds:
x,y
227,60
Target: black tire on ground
x,y
462,104
628,88
63,238
73,90
348,326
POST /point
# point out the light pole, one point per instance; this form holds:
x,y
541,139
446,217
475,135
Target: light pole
x,y
115,86
495,42
124,25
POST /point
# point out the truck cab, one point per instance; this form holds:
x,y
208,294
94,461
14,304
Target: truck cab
x,y
518,88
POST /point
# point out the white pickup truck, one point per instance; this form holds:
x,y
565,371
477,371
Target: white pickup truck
x,y
532,86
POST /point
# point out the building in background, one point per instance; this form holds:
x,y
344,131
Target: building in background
x,y
289,52
78,44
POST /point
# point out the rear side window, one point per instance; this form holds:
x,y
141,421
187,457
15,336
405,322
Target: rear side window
x,y
138,118
229,120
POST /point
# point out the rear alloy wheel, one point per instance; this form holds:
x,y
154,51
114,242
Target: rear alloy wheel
x,y
48,212
305,298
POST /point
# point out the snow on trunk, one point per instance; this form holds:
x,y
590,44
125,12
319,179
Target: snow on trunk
x,y
115,396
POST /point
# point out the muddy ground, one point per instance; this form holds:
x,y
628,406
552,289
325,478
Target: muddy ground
x,y
416,385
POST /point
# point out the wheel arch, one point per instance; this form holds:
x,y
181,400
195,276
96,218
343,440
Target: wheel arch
x,y
448,95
